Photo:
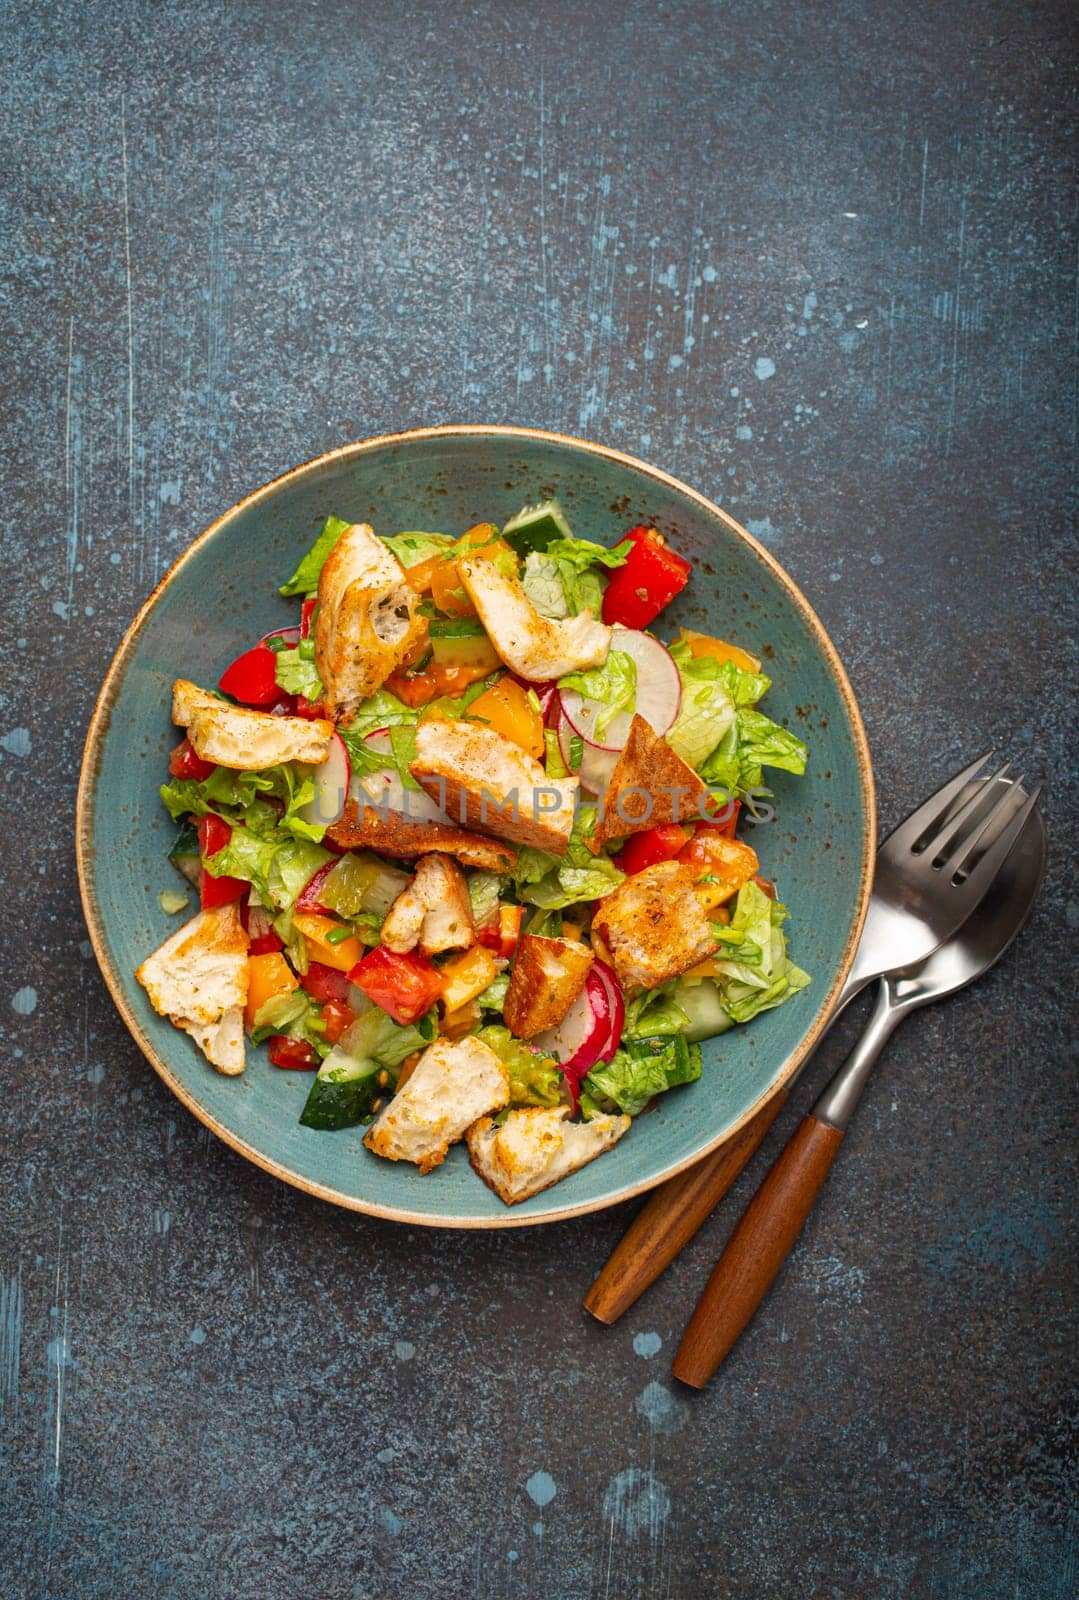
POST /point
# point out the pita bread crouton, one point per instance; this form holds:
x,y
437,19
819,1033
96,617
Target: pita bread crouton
x,y
451,1085
547,977
536,1146
654,925
198,979
649,786
487,782
434,912
247,741
396,835
366,623
533,646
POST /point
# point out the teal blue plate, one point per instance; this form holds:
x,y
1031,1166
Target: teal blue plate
x,y
221,596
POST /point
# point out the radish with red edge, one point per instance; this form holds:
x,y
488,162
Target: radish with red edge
x,y
308,897
291,636
586,1033
658,697
385,790
332,780
618,1006
594,767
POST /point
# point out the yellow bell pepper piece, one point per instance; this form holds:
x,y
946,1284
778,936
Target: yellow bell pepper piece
x,y
465,976
267,976
315,929
482,543
465,1020
701,645
506,708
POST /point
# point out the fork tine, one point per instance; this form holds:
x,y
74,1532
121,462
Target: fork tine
x,y
933,811
977,882
962,846
955,824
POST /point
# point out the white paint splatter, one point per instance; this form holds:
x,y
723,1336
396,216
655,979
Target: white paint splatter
x,y
197,1336
403,1350
647,1344
24,1001
391,1523
635,1502
541,1489
17,742
764,367
660,1409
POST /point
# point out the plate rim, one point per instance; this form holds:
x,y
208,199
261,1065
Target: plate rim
x,y
90,763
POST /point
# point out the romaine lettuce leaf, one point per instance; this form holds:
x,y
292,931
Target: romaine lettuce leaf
x,y
551,882
484,889
412,548
613,686
305,579
297,674
535,1078
241,798
646,1067
544,587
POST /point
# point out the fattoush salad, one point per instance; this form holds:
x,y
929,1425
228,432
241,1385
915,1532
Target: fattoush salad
x,y
466,843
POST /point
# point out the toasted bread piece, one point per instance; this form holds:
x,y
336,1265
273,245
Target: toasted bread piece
x,y
654,925
397,835
434,912
487,782
649,786
725,865
233,736
535,1147
366,621
547,977
451,1085
533,646
198,979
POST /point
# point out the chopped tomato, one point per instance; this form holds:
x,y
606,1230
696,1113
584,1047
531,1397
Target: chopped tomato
x,y
184,763
725,820
307,618
308,897
405,986
337,1018
649,848
503,931
312,710
651,577
214,835
420,688
296,1054
285,707
252,677
264,944
325,983
263,940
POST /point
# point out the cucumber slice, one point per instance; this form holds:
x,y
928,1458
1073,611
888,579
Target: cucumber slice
x,y
343,1093
184,854
474,650
699,999
456,628
536,527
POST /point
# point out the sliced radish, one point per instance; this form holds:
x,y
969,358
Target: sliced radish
x,y
618,1006
596,765
291,636
659,693
332,780
385,790
584,1035
308,898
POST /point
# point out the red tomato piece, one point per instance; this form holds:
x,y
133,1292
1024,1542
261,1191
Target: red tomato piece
x,y
265,944
651,578
649,848
325,983
252,677
503,931
184,763
337,1018
214,835
405,986
263,940
311,710
307,618
725,819
295,1054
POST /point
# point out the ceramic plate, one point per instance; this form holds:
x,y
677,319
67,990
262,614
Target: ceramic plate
x,y
220,597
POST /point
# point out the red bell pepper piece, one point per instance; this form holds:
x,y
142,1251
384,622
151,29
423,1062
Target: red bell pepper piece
x,y
252,677
337,1018
308,897
214,835
296,1054
405,986
325,983
649,848
652,576
184,763
503,931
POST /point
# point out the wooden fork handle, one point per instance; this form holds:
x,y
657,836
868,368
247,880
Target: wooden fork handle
x,y
756,1250
671,1217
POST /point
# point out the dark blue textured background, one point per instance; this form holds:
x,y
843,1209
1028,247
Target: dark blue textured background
x,y
821,262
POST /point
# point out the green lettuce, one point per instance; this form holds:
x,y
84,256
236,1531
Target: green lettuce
x,y
279,865
484,889
305,579
614,686
412,548
362,1066
535,1078
296,1016
752,743
551,882
655,1011
719,731
242,798
296,673
635,1074
749,987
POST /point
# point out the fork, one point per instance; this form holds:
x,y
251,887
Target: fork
x,y
929,877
